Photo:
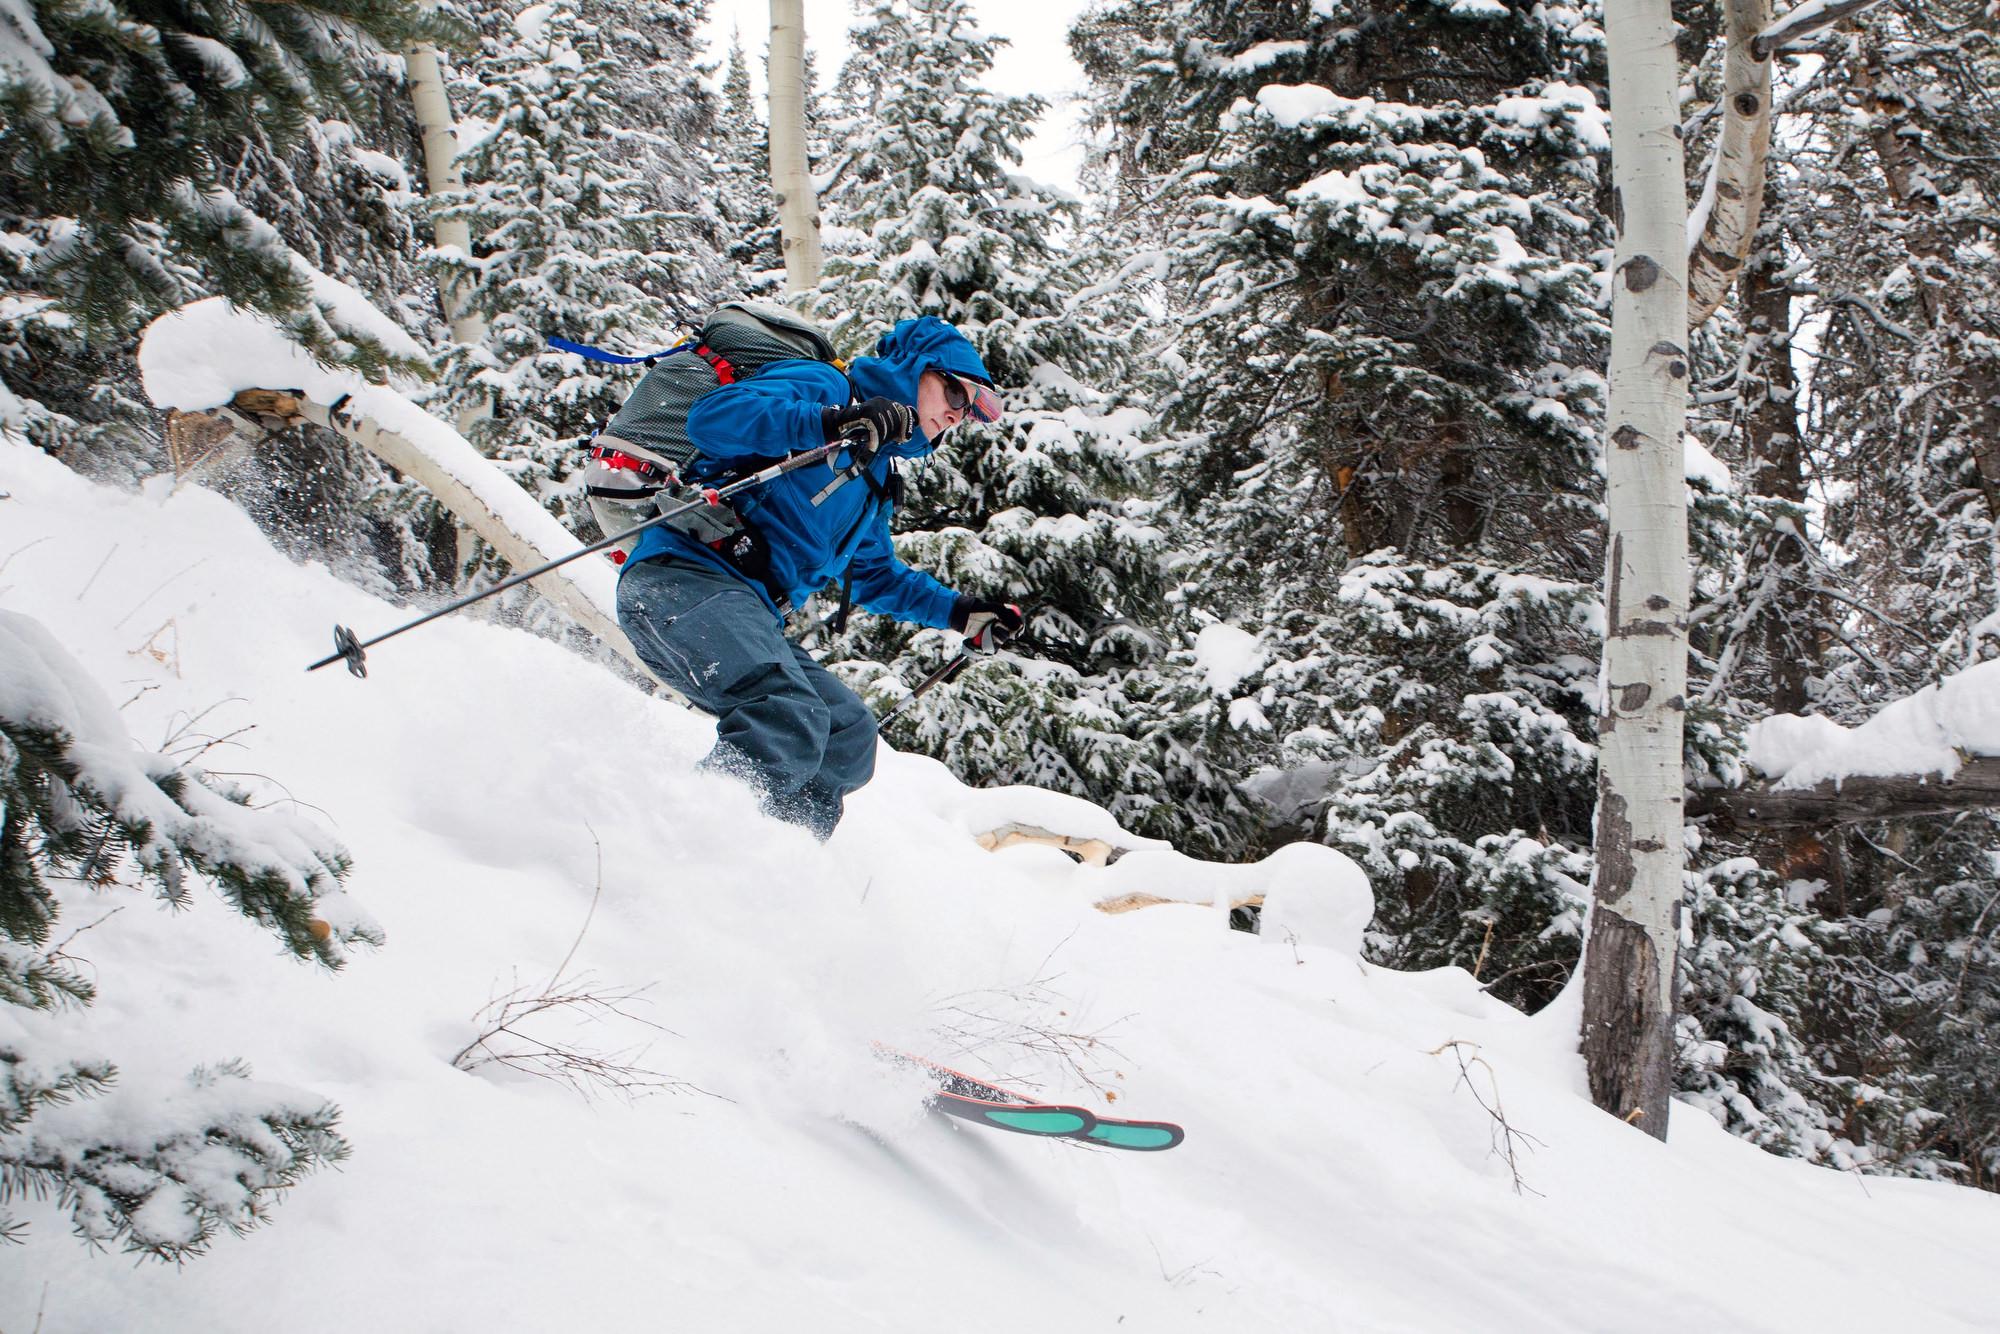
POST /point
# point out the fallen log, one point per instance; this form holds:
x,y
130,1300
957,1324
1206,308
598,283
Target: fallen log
x,y
1855,800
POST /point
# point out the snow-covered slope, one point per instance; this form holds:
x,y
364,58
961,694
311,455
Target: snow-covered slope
x,y
1338,1172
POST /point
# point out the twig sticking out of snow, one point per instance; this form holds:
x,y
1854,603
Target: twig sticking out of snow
x,y
1507,1141
504,1038
1029,1025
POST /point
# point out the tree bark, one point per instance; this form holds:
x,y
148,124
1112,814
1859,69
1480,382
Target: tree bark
x,y
1769,391
1628,989
1726,218
1970,387
791,183
1976,786
442,176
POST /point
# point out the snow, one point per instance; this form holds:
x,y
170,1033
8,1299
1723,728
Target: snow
x,y
1930,732
529,23
1558,102
381,166
1251,58
496,790
1294,105
202,355
1702,466
1226,654
222,63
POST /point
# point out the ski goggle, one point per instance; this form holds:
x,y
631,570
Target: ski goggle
x,y
969,398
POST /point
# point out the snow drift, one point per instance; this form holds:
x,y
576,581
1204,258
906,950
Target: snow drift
x,y
513,811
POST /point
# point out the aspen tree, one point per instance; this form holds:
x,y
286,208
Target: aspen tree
x,y
1629,958
791,183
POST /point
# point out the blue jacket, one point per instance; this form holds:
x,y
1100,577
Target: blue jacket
x,y
777,413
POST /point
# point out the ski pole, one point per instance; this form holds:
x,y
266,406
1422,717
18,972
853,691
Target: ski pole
x,y
938,677
950,669
354,652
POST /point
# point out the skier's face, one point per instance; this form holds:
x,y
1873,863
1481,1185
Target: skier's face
x,y
943,401
934,414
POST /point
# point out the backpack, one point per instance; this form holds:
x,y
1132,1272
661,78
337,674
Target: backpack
x,y
644,448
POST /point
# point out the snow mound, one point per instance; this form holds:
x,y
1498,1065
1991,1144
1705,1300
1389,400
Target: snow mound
x,y
1930,732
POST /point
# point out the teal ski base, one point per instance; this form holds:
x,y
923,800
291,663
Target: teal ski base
x,y
960,1095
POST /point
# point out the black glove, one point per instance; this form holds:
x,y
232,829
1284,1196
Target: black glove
x,y
868,425
984,623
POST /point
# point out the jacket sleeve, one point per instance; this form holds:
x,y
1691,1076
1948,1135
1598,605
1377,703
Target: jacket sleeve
x,y
882,583
775,414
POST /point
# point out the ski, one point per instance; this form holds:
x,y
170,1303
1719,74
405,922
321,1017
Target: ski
x,y
969,1099
1048,1120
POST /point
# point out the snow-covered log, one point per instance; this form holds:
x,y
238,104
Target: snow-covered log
x,y
1935,752
1089,851
791,183
1976,786
1628,989
1725,217
470,507
1805,20
208,355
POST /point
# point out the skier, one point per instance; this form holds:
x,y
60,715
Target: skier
x,y
704,603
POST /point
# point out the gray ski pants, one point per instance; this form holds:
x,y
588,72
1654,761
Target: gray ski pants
x,y
783,722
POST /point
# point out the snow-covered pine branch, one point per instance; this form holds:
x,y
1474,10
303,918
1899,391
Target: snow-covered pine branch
x,y
93,797
158,1170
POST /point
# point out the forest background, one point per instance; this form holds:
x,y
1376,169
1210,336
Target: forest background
x,y
1301,476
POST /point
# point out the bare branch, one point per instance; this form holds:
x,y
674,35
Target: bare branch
x,y
1804,21
1507,1141
1028,1035
505,1041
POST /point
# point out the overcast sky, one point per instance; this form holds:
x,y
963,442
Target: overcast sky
x,y
1038,61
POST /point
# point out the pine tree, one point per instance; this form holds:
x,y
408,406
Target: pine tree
x,y
663,115
568,243
155,157
121,120
171,1167
746,218
1381,223
927,215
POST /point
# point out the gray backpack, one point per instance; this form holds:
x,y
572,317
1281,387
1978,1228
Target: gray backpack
x,y
645,447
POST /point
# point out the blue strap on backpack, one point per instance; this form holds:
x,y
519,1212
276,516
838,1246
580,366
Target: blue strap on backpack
x,y
612,358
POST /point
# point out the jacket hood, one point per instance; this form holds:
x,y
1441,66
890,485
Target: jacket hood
x,y
901,358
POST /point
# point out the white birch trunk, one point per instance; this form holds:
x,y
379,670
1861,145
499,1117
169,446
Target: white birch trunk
x,y
1725,219
438,131
791,184
1628,966
442,175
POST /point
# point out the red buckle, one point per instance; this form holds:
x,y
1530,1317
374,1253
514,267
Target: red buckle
x,y
617,461
724,372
